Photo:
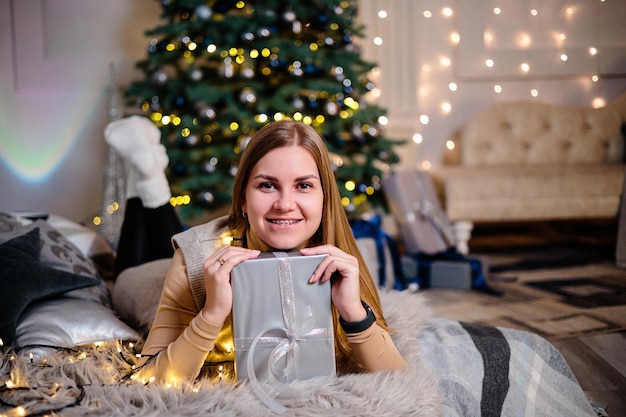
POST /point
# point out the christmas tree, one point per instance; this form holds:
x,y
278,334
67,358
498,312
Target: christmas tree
x,y
218,70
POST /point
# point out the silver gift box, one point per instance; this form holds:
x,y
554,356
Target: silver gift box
x,y
282,325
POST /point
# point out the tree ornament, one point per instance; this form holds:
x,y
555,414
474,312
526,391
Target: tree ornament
x,y
196,74
210,165
207,113
204,12
338,73
152,47
191,140
332,108
155,103
248,36
206,197
298,103
160,77
263,32
247,71
247,96
289,15
228,70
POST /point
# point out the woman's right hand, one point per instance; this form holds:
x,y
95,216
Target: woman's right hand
x,y
219,293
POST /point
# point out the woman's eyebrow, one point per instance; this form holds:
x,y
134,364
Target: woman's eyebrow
x,y
307,177
272,178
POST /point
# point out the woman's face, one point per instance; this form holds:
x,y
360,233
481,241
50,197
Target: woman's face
x,y
284,198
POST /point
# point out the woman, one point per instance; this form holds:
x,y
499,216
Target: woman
x,y
284,198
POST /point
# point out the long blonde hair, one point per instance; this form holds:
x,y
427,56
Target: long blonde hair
x,y
334,228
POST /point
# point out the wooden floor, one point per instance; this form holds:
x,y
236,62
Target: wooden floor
x,y
598,361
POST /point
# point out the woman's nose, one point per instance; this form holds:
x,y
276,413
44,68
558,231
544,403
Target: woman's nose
x,y
285,201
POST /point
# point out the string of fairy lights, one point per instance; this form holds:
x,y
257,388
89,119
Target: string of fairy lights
x,y
439,85
24,395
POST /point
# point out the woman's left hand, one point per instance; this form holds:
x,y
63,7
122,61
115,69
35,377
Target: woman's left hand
x,y
342,270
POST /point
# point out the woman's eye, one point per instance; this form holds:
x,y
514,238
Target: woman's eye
x,y
266,185
305,185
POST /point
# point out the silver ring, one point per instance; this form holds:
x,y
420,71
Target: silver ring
x,y
221,260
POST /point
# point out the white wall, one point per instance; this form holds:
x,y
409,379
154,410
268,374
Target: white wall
x,y
428,44
55,56
54,77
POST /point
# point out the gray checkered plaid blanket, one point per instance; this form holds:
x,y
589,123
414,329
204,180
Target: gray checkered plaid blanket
x,y
490,371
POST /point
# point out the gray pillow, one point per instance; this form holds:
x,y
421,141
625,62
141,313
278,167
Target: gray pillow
x,y
76,317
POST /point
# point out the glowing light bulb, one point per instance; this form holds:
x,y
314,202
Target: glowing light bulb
x,y
428,14
563,57
595,78
534,92
525,67
382,14
598,102
447,12
452,87
417,138
450,145
497,10
497,88
489,63
593,51
424,119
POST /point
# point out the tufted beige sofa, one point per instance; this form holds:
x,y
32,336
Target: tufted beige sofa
x,y
531,161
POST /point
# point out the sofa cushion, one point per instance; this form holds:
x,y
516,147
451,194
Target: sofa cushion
x,y
529,133
540,192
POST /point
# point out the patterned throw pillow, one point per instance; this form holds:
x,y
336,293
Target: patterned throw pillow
x,y
59,253
24,280
76,317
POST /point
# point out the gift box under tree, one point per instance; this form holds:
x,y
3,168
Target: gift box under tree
x,y
414,204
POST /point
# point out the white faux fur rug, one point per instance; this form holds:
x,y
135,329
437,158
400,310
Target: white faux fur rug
x,y
91,381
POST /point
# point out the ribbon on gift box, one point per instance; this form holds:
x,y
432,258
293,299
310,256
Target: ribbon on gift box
x,y
372,228
285,347
429,211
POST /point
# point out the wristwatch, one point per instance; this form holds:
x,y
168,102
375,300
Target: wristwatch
x,y
359,326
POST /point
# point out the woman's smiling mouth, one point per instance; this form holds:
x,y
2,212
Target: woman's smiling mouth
x,y
280,222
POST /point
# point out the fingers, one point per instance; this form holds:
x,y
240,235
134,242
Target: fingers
x,y
337,262
226,258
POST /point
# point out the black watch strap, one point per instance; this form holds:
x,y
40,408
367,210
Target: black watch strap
x,y
359,326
